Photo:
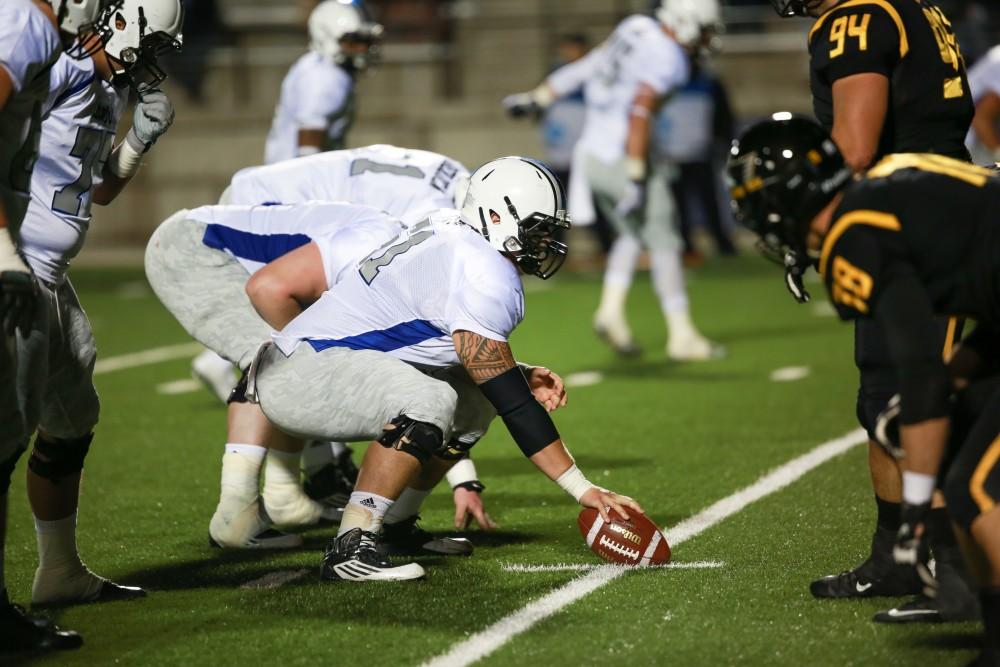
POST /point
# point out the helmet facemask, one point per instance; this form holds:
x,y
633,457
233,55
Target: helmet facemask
x,y
535,249
370,35
89,36
795,7
137,49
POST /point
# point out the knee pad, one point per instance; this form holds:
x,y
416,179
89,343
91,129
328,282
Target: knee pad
x,y
57,459
418,439
7,471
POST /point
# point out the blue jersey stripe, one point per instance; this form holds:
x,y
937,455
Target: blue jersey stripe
x,y
73,91
262,248
384,340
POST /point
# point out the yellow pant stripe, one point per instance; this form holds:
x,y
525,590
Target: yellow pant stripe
x,y
978,480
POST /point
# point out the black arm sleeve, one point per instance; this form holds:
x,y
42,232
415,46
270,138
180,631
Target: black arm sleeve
x,y
529,424
904,310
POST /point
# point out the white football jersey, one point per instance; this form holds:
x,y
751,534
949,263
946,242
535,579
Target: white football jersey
x,y
256,235
79,121
407,297
29,44
637,52
317,94
984,77
407,184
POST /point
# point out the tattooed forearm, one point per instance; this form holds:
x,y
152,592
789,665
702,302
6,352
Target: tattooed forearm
x,y
483,358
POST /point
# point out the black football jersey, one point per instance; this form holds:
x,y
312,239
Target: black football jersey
x,y
889,225
911,43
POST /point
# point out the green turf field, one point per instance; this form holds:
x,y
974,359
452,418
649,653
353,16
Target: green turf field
x,y
678,438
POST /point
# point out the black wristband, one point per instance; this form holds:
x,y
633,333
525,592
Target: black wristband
x,y
474,485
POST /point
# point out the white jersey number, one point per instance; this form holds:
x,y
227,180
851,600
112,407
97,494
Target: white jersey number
x,y
91,145
362,165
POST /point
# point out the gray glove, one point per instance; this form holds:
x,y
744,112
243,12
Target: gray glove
x,y
153,116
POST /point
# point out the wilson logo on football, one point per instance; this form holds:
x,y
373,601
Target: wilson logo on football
x,y
625,532
620,549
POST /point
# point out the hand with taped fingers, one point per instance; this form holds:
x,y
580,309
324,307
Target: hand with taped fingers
x,y
604,501
547,387
468,506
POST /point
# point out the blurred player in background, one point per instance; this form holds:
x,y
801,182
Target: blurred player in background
x,y
984,81
411,351
77,166
625,80
33,35
316,108
887,76
885,255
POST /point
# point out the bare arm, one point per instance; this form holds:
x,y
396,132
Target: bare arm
x,y
282,289
860,105
640,117
110,187
311,141
985,122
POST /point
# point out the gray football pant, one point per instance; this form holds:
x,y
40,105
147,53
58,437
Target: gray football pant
x,y
656,223
346,395
47,377
204,289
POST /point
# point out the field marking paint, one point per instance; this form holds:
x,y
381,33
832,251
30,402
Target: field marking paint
x,y
183,386
146,357
790,373
586,567
485,642
274,580
583,379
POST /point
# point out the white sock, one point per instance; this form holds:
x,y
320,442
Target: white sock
x,y
241,471
364,511
668,281
622,259
406,505
320,454
57,544
282,469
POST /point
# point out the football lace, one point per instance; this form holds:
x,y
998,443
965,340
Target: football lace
x,y
619,549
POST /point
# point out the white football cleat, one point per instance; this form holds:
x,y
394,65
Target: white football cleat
x,y
693,347
616,333
247,527
74,583
218,375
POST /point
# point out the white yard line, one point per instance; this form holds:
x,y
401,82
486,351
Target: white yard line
x,y
182,386
584,379
790,373
274,580
146,357
586,567
485,642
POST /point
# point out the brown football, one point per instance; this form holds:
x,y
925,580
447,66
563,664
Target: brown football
x,y
636,541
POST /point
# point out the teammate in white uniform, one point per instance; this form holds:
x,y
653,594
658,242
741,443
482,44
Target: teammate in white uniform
x,y
57,354
406,183
984,82
32,36
625,79
202,263
411,350
316,108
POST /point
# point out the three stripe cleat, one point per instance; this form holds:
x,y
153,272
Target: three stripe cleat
x,y
353,556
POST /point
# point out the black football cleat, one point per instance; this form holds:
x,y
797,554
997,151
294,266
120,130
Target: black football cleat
x,y
407,538
879,576
21,632
333,483
353,556
112,592
952,602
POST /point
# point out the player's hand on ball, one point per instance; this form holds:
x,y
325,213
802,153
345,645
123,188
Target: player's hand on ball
x,y
154,114
547,387
604,501
468,506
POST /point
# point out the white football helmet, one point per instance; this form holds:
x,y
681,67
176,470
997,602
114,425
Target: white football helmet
x,y
141,31
688,18
82,19
334,21
517,205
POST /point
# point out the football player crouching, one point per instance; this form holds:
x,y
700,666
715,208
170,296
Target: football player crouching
x,y
884,252
410,351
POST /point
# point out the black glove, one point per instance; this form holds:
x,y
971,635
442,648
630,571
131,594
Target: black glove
x,y
18,300
519,105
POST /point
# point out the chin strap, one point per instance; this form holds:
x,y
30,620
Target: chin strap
x,y
794,272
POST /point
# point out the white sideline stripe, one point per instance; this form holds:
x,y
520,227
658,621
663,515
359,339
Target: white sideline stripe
x,y
184,386
790,373
484,642
146,357
586,567
274,580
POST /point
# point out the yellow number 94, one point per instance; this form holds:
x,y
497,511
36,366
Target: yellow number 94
x,y
849,26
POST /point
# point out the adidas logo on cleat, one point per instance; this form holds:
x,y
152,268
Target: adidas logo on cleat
x,y
369,503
